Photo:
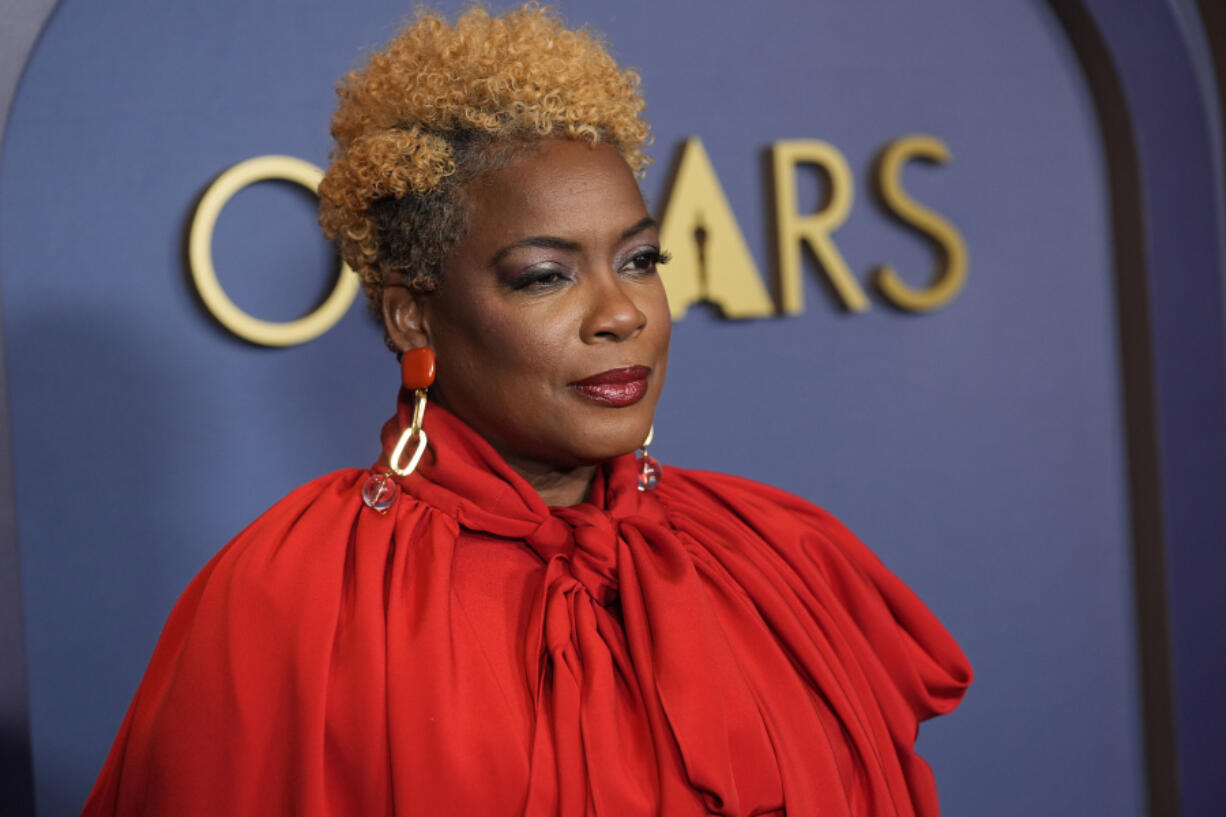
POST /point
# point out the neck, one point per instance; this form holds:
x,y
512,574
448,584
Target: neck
x,y
557,488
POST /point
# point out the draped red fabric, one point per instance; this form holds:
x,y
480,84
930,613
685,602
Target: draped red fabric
x,y
713,646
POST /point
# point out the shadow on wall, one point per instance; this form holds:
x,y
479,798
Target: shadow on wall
x,y
1213,16
15,790
145,529
23,21
118,552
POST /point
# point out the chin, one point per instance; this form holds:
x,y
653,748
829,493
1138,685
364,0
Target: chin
x,y
597,445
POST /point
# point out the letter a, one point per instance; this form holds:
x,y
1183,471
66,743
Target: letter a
x,y
710,260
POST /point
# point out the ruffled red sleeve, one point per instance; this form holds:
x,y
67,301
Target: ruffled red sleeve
x,y
237,707
910,650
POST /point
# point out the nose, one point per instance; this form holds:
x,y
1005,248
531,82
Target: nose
x,y
613,314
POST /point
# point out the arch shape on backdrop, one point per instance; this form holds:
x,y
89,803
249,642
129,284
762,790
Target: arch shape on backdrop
x,y
1180,224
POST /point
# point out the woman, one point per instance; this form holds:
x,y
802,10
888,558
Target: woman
x,y
511,613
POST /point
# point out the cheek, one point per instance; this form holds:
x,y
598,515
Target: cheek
x,y
525,343
470,328
493,346
659,317
467,349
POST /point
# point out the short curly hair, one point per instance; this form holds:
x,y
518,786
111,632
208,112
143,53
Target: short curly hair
x,y
443,104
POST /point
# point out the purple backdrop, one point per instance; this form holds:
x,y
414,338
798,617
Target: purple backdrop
x,y
995,453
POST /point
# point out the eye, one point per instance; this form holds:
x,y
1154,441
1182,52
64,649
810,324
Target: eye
x,y
645,261
539,278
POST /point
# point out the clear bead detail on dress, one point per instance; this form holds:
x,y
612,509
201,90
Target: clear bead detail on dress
x,y
380,492
649,473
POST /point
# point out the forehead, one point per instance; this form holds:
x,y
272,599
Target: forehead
x,y
563,187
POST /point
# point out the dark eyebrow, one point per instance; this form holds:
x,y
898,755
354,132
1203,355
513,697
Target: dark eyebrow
x,y
639,226
544,242
548,242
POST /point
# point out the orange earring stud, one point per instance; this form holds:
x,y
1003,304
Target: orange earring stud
x,y
417,368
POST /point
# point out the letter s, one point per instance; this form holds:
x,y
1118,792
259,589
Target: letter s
x,y
952,272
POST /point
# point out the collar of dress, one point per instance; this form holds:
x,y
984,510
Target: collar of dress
x,y
464,477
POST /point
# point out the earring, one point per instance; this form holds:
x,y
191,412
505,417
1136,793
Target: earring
x,y
417,373
649,469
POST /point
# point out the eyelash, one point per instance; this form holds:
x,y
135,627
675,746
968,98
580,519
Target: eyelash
x,y
538,279
650,260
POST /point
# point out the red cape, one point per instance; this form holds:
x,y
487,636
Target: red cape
x,y
712,646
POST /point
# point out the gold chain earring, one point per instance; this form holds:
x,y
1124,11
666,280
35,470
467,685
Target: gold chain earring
x,y
417,373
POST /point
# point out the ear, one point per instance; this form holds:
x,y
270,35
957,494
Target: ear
x,y
404,317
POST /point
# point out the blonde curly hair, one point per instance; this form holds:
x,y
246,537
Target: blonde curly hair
x,y
443,104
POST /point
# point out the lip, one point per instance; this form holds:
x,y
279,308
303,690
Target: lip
x,y
616,387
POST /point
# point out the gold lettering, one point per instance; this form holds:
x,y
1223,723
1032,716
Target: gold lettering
x,y
200,257
710,259
951,274
813,229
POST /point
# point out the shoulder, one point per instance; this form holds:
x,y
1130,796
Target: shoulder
x,y
299,514
766,537
277,588
769,537
772,528
775,526
298,533
247,654
305,543
329,506
685,491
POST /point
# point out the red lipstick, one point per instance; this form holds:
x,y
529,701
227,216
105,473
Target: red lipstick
x,y
616,387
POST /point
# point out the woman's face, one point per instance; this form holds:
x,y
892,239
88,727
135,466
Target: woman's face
x,y
551,326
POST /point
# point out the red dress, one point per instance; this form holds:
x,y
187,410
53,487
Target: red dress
x,y
713,646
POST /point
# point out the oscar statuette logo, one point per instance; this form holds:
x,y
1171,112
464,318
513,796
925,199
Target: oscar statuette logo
x,y
711,260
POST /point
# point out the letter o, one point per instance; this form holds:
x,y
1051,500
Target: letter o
x,y
200,257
